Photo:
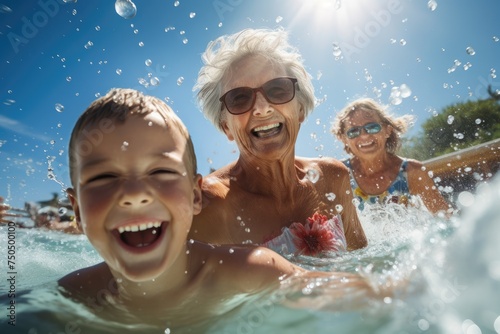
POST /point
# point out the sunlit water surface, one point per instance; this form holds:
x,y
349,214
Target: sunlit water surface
x,y
452,270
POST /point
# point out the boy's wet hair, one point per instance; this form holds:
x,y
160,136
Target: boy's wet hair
x,y
115,107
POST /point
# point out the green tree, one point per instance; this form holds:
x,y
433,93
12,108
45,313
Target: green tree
x,y
456,127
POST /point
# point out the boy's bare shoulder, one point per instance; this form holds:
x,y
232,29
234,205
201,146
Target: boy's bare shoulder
x,y
246,268
88,280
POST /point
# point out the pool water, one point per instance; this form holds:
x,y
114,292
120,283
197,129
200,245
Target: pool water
x,y
451,269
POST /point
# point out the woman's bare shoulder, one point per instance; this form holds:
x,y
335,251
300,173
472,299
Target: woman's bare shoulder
x,y
323,163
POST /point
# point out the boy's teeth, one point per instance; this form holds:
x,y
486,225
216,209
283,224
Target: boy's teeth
x,y
140,227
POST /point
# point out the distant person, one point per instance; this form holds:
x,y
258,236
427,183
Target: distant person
x,y
4,208
136,205
50,218
371,136
254,88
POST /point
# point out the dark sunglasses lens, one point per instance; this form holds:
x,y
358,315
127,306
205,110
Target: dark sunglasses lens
x,y
372,128
353,132
239,100
281,90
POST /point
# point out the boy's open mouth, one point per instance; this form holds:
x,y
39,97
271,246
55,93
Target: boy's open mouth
x,y
142,235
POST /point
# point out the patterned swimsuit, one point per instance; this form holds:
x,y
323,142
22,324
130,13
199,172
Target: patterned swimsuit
x,y
398,191
291,241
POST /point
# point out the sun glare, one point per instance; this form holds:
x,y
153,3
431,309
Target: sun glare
x,y
327,16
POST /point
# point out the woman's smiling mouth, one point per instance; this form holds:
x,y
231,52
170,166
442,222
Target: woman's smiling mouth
x,y
267,130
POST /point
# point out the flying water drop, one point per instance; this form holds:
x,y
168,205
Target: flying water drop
x,y
432,5
125,8
337,51
470,51
312,175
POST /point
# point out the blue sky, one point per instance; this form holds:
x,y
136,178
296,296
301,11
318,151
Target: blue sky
x,y
65,54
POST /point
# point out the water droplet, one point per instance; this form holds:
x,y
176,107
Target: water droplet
x,y
493,73
402,42
231,251
470,51
180,80
467,66
119,71
339,208
432,5
247,230
279,19
154,81
97,28
405,91
496,39
478,121
330,196
337,51
59,107
185,41
312,175
191,241
176,4
125,8
466,198
192,15
124,146
68,79
5,9
148,62
141,44
88,45
396,101
450,119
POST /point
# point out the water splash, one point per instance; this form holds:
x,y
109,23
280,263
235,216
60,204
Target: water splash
x,y
125,8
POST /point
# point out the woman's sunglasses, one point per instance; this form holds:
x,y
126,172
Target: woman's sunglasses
x,y
277,91
370,128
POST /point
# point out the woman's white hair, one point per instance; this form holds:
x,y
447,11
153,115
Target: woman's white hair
x,y
224,51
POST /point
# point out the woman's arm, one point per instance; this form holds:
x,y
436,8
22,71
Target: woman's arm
x,y
420,183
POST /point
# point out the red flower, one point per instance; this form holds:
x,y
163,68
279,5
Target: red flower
x,y
314,237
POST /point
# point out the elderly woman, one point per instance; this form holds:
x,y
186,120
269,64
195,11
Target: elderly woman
x,y
371,136
253,87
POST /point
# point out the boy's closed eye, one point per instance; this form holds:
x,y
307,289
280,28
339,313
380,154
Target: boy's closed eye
x,y
101,177
166,173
